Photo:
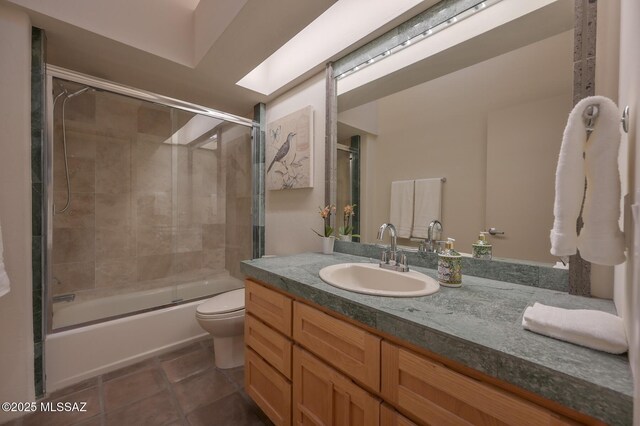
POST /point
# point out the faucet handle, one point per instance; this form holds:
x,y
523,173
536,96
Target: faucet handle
x,y
384,257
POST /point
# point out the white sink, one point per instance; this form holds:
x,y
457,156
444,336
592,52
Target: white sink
x,y
372,279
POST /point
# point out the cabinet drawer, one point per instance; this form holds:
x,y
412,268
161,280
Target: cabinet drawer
x,y
268,388
269,344
271,307
346,347
323,396
390,417
437,395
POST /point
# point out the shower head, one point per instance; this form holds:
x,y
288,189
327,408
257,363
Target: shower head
x,y
79,92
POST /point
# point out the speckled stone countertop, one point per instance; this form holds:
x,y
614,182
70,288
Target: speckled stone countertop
x,y
478,325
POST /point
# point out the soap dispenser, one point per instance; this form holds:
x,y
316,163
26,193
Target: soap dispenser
x,y
482,249
450,266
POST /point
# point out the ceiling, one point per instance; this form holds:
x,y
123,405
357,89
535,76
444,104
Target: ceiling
x,y
238,44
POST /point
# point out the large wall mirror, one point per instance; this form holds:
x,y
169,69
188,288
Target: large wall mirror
x,y
481,103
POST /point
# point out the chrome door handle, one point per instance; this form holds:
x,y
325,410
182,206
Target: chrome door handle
x,y
494,231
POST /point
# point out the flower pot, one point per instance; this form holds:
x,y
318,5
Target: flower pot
x,y
327,244
345,237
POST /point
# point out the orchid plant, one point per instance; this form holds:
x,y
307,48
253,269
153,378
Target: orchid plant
x,y
325,214
347,218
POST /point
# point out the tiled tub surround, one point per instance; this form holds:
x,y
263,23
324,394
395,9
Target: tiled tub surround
x,y
477,325
145,213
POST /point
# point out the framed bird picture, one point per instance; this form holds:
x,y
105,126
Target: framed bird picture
x,y
289,151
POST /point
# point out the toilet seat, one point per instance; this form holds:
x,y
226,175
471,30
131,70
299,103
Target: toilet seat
x,y
224,305
226,315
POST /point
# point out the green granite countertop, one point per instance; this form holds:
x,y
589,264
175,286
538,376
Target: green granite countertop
x,y
478,325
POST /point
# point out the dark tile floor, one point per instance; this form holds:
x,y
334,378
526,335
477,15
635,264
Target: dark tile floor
x,y
178,388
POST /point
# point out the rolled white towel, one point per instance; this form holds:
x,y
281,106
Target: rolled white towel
x,y
593,329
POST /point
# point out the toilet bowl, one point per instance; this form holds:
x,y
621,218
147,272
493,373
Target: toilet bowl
x,y
223,317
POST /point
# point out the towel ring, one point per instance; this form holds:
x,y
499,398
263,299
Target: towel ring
x,y
625,119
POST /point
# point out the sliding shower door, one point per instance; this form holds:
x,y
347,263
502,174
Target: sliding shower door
x,y
151,205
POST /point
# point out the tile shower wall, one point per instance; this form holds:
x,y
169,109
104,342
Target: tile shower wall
x,y
144,213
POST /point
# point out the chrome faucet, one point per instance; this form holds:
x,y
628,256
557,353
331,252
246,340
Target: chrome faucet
x,y
434,234
392,259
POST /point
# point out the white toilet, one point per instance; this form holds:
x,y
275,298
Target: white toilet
x,y
223,317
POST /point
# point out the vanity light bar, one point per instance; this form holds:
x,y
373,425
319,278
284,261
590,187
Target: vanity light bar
x,y
423,35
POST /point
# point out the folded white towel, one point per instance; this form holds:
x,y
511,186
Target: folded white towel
x,y
601,240
401,208
5,285
427,205
593,329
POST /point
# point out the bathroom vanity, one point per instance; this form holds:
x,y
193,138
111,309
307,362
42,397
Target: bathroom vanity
x,y
317,354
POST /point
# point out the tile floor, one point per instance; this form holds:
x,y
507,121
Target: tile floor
x,y
178,388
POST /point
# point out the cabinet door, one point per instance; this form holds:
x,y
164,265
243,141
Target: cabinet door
x,y
437,395
270,306
323,396
269,344
268,388
390,417
345,346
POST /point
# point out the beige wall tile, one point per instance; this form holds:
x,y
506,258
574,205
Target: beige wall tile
x,y
154,120
188,239
153,241
114,243
81,211
79,144
73,245
114,273
81,108
113,210
71,277
214,259
153,267
116,113
153,209
82,173
213,236
113,168
185,262
152,164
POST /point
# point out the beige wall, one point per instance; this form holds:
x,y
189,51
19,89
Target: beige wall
x,y
440,128
16,333
291,214
627,292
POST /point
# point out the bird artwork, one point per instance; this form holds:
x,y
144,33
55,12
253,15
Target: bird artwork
x,y
283,151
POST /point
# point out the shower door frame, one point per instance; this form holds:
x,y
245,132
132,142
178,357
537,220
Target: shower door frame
x,y
257,128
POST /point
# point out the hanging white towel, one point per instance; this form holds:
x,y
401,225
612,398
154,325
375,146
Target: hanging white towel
x,y
593,329
427,205
5,286
601,240
401,209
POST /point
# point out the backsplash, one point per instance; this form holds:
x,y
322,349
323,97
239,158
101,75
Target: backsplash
x,y
535,275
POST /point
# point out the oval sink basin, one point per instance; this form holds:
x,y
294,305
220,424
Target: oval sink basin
x,y
372,279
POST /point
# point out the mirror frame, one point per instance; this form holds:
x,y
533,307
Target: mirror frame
x,y
583,85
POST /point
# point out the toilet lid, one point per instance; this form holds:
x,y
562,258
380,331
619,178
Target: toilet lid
x,y
224,302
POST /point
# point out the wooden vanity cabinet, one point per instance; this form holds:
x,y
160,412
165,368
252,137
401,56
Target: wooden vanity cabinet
x,y
308,367
323,397
342,345
433,393
267,367
390,417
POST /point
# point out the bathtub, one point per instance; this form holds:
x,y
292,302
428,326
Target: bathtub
x,y
80,353
67,314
